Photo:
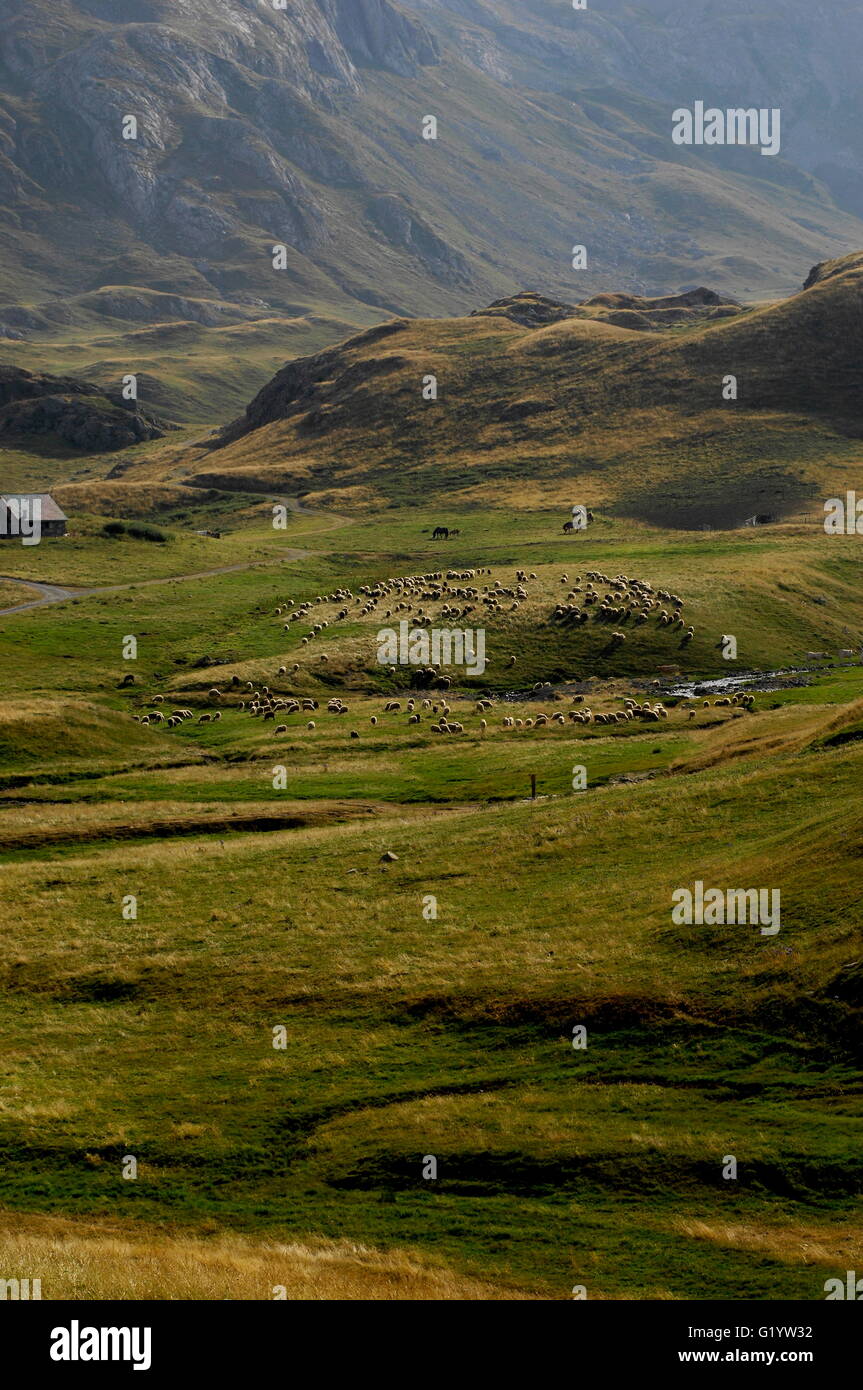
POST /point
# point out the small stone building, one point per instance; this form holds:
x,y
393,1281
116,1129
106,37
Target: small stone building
x,y
14,505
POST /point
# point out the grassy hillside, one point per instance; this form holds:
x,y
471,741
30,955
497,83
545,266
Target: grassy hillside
x,y
542,403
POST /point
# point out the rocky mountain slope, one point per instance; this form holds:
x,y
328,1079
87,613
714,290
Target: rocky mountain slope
x,y
303,127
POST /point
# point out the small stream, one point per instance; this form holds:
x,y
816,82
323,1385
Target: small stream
x,y
786,679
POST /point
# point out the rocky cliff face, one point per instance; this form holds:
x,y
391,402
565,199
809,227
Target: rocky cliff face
x,y
239,112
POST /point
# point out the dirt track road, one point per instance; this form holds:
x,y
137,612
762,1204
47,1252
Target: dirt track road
x,y
56,593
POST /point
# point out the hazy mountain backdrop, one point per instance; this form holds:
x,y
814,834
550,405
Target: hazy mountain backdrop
x,y
303,126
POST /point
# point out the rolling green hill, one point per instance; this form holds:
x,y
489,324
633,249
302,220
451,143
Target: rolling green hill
x,y
618,403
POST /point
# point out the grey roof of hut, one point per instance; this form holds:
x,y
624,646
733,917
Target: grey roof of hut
x,y
49,512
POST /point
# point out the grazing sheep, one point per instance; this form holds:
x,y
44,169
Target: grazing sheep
x,y
282,729
204,718
311,724
354,733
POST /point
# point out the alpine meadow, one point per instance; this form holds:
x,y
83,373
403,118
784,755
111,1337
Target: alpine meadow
x,y
431,654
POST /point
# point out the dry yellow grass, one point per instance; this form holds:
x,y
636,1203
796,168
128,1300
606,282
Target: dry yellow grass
x,y
100,1260
13,594
33,828
840,1246
784,730
106,498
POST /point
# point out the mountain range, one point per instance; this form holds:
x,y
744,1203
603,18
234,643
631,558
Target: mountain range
x,y
303,127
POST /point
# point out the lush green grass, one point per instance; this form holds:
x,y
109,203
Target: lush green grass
x,y
450,1037
408,1033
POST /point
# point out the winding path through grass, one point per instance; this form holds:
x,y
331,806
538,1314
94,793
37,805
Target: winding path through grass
x,y
56,593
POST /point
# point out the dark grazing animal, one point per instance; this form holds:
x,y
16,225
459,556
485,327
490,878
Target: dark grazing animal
x,y
440,533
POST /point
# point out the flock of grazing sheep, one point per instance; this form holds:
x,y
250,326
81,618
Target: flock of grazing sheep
x,y
265,705
457,594
626,599
457,598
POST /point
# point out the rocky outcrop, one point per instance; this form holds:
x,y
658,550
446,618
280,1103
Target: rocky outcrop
x,y
375,32
403,227
691,299
69,412
527,309
230,105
